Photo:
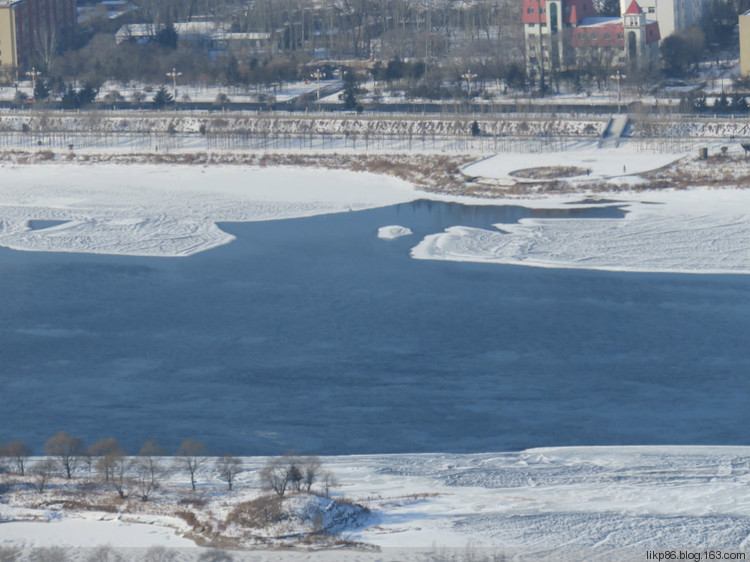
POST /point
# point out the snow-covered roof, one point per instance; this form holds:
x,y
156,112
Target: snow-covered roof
x,y
600,21
182,28
250,36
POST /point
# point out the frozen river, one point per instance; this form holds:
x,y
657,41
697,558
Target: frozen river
x,y
314,334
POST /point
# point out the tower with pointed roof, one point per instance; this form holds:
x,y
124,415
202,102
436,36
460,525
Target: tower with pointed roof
x,y
634,27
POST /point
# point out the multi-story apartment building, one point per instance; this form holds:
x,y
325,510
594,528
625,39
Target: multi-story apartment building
x,y
745,44
28,27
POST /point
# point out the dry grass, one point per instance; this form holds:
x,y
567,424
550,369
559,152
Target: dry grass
x,y
258,513
549,172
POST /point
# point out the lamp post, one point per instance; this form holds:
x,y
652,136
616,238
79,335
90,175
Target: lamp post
x,y
173,75
33,74
469,76
317,75
618,76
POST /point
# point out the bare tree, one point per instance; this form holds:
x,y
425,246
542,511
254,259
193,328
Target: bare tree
x,y
43,471
145,481
149,468
66,449
329,480
285,473
159,554
310,471
229,467
19,453
118,465
45,49
191,454
107,450
275,475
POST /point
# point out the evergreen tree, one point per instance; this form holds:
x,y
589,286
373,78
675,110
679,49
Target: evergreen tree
x,y
87,94
162,98
739,103
721,104
700,104
351,89
167,36
41,90
70,98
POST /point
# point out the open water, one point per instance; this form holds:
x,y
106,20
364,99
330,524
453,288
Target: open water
x,y
313,334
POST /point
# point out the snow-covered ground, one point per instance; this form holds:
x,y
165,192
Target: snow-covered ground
x,y
599,163
596,503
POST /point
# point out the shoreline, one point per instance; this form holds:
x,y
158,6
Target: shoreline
x,y
435,173
423,502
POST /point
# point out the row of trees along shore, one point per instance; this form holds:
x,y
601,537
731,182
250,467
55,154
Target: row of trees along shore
x,y
143,474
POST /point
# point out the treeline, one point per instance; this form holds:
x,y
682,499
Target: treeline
x,y
142,474
484,36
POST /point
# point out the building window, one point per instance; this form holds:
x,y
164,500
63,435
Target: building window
x,y
607,35
529,10
542,10
650,10
620,36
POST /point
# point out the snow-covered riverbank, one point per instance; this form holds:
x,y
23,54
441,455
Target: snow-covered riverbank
x,y
599,503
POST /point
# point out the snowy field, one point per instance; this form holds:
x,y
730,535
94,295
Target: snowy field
x,y
172,211
609,503
603,163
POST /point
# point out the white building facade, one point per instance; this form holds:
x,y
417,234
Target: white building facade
x,y
672,15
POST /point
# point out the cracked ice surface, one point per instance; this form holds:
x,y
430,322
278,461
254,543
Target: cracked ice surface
x,y
699,231
169,211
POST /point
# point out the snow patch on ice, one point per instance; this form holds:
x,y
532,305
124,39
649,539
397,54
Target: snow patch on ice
x,y
393,232
701,231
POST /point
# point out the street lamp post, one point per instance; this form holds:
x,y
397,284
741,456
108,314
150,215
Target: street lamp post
x,y
618,76
33,74
469,76
173,75
317,75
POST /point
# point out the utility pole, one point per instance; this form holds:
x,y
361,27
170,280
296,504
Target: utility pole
x,y
173,75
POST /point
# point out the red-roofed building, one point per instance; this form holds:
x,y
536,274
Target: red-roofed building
x,y
567,31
